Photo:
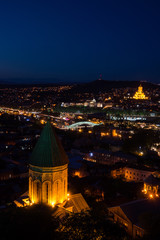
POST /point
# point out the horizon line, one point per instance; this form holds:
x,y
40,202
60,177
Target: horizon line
x,y
62,82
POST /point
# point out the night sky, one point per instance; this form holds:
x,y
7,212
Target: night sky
x,y
73,41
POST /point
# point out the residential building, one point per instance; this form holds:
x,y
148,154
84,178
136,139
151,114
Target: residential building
x,y
136,175
131,215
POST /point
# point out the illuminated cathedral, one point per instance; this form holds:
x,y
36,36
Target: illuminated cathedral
x,y
140,94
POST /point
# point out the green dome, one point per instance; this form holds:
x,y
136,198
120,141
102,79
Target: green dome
x,y
48,151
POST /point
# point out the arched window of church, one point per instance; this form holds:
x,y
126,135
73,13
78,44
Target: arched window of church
x,y
38,191
64,187
47,193
57,187
30,186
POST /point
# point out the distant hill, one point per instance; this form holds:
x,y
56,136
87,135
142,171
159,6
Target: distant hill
x,y
105,85
94,86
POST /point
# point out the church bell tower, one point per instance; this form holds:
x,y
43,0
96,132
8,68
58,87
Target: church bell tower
x,y
48,170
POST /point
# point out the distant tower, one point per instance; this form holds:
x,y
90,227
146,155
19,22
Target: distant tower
x,y
100,77
48,169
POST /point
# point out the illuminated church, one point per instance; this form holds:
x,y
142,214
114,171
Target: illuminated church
x,y
48,176
140,94
48,171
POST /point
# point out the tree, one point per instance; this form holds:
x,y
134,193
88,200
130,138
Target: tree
x,y
141,140
34,222
82,226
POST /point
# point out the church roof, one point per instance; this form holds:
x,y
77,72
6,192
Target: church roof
x,y
48,151
75,204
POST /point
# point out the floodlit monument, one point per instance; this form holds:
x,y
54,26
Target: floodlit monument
x,y
48,177
140,94
48,170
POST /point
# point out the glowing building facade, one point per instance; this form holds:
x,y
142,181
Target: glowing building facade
x,y
48,170
152,186
140,94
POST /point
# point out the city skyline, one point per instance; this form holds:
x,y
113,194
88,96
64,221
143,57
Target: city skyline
x,y
89,150
79,119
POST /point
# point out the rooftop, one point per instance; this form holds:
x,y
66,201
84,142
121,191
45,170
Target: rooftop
x,y
152,180
137,210
48,151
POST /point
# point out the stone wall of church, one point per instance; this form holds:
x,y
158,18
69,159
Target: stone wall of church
x,y
48,185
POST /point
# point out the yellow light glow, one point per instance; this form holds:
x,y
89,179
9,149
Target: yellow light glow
x,y
151,195
77,173
157,195
68,194
42,121
114,133
140,94
26,201
144,191
53,204
140,153
103,134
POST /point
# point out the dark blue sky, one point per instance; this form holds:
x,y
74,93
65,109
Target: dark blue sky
x,y
79,39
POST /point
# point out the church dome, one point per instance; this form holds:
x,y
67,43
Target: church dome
x,y
48,151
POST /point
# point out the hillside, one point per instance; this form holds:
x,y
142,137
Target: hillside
x,y
105,85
